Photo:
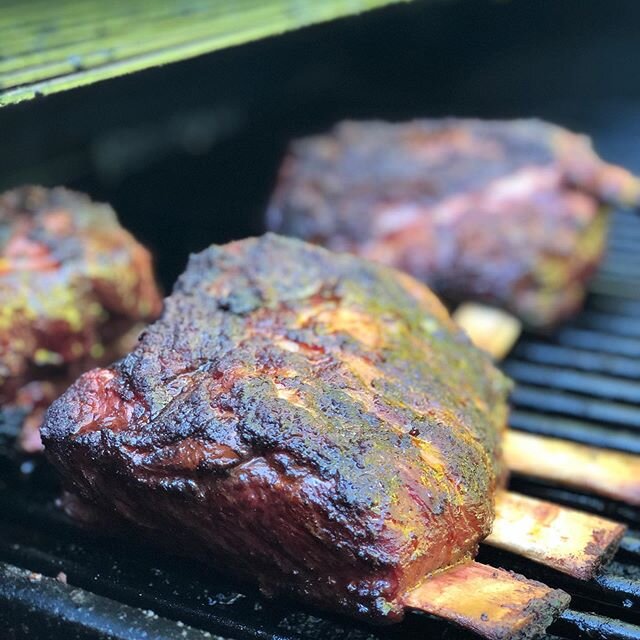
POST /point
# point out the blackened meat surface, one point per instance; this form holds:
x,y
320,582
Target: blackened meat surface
x,y
309,421
72,281
504,212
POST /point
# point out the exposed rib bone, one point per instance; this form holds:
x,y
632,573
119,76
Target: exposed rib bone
x,y
564,539
495,603
607,473
490,329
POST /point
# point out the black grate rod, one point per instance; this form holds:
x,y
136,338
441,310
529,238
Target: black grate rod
x,y
578,624
615,305
601,411
553,354
575,430
570,380
630,546
599,341
622,269
48,608
615,286
611,323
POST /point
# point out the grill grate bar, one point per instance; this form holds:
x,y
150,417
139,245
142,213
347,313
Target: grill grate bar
x,y
574,430
560,356
602,411
612,304
624,227
630,228
624,217
53,608
589,625
621,269
586,383
110,578
623,580
599,341
621,243
620,325
630,545
615,286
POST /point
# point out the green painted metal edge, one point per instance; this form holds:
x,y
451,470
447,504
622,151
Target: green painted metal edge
x,y
38,60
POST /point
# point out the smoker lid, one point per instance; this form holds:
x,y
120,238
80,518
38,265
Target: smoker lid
x,y
48,47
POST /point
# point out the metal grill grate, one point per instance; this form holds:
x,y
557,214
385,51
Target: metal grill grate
x,y
580,384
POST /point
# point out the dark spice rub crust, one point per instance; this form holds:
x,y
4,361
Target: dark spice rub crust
x,y
306,420
504,212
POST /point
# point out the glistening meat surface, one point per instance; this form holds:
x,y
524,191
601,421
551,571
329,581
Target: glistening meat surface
x,y
504,212
309,421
